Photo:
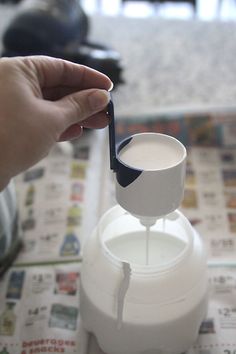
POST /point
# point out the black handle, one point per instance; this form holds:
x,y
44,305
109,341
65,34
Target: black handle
x,y
112,137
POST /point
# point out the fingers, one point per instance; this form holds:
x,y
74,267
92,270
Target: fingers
x,y
56,93
81,105
97,121
74,131
52,72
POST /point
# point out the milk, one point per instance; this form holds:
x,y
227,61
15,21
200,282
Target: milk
x,y
150,155
131,248
147,236
146,246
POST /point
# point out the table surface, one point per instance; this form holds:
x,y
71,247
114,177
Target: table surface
x,y
171,63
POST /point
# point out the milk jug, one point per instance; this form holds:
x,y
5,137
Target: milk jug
x,y
144,276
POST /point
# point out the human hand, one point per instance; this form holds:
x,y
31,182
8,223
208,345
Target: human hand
x,y
44,100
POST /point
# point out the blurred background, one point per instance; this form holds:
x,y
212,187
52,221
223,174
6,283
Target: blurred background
x,y
208,10
160,55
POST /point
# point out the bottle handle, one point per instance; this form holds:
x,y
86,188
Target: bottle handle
x,y
112,137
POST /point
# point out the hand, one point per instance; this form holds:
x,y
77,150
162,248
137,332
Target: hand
x,y
42,101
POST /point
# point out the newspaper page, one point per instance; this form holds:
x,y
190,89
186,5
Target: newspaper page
x,y
59,201
39,312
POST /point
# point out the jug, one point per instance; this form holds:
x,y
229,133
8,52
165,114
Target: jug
x,y
144,275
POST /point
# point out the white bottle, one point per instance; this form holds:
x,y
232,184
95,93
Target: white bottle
x,y
134,308
144,274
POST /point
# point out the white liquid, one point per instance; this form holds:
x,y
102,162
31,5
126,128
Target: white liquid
x,y
130,247
164,224
151,154
147,244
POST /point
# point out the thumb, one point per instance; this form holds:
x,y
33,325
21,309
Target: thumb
x,y
80,105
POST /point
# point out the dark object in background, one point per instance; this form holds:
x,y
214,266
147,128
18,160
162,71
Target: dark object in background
x,y
43,25
58,28
9,1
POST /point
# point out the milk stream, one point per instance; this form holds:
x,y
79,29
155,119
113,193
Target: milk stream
x,y
147,244
164,224
147,238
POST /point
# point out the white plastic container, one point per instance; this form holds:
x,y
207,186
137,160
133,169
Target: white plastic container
x,y
134,308
150,175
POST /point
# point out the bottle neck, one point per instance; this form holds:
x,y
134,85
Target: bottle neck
x,y
147,221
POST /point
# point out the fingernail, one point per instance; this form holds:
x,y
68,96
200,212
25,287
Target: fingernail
x,y
99,99
111,87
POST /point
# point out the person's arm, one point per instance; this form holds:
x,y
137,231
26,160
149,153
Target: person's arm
x,y
42,101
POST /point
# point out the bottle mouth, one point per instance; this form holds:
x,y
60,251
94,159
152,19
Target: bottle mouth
x,y
123,239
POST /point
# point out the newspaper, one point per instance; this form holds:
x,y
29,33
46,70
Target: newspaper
x,y
39,312
60,201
